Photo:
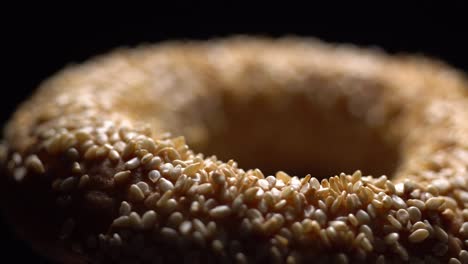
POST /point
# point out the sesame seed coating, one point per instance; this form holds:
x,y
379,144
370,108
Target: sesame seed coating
x,y
110,159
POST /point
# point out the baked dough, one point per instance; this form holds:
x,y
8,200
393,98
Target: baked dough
x,y
151,154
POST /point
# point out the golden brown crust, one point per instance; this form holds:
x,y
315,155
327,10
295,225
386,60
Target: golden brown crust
x,y
90,156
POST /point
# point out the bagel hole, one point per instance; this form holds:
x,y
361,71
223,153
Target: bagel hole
x,y
301,139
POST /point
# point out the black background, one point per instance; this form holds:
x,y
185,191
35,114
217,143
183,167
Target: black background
x,y
38,45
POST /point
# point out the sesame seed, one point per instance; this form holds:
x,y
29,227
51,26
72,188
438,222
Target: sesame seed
x,y
119,146
125,208
394,222
264,184
220,211
192,169
463,256
149,219
128,151
169,233
414,214
363,217
366,245
84,180
275,252
353,220
35,164
101,152
271,180
135,220
151,200
90,153
454,261
19,174
175,219
377,204
279,184
416,203
165,185
371,211
199,239
440,234
455,244
144,187
148,143
170,205
273,224
200,226
283,176
448,214
101,138
391,238
398,203
16,159
116,240
169,153
237,203
205,189
356,176
401,251
402,216
218,178
434,203
122,221
68,184
182,183
175,173
418,236
122,176
241,258
341,258
56,184
352,201
367,231
295,183
132,164
283,239
250,194
390,187
113,155
253,214
419,225
154,176
146,158
464,230
357,186
164,198
53,145
320,216
82,136
76,168
334,184
287,192
338,225
185,227
154,163
217,246
324,238
135,193
305,188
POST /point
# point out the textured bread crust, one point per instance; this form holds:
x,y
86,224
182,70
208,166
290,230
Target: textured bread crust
x,y
97,168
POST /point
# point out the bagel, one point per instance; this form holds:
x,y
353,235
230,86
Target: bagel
x,y
185,151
